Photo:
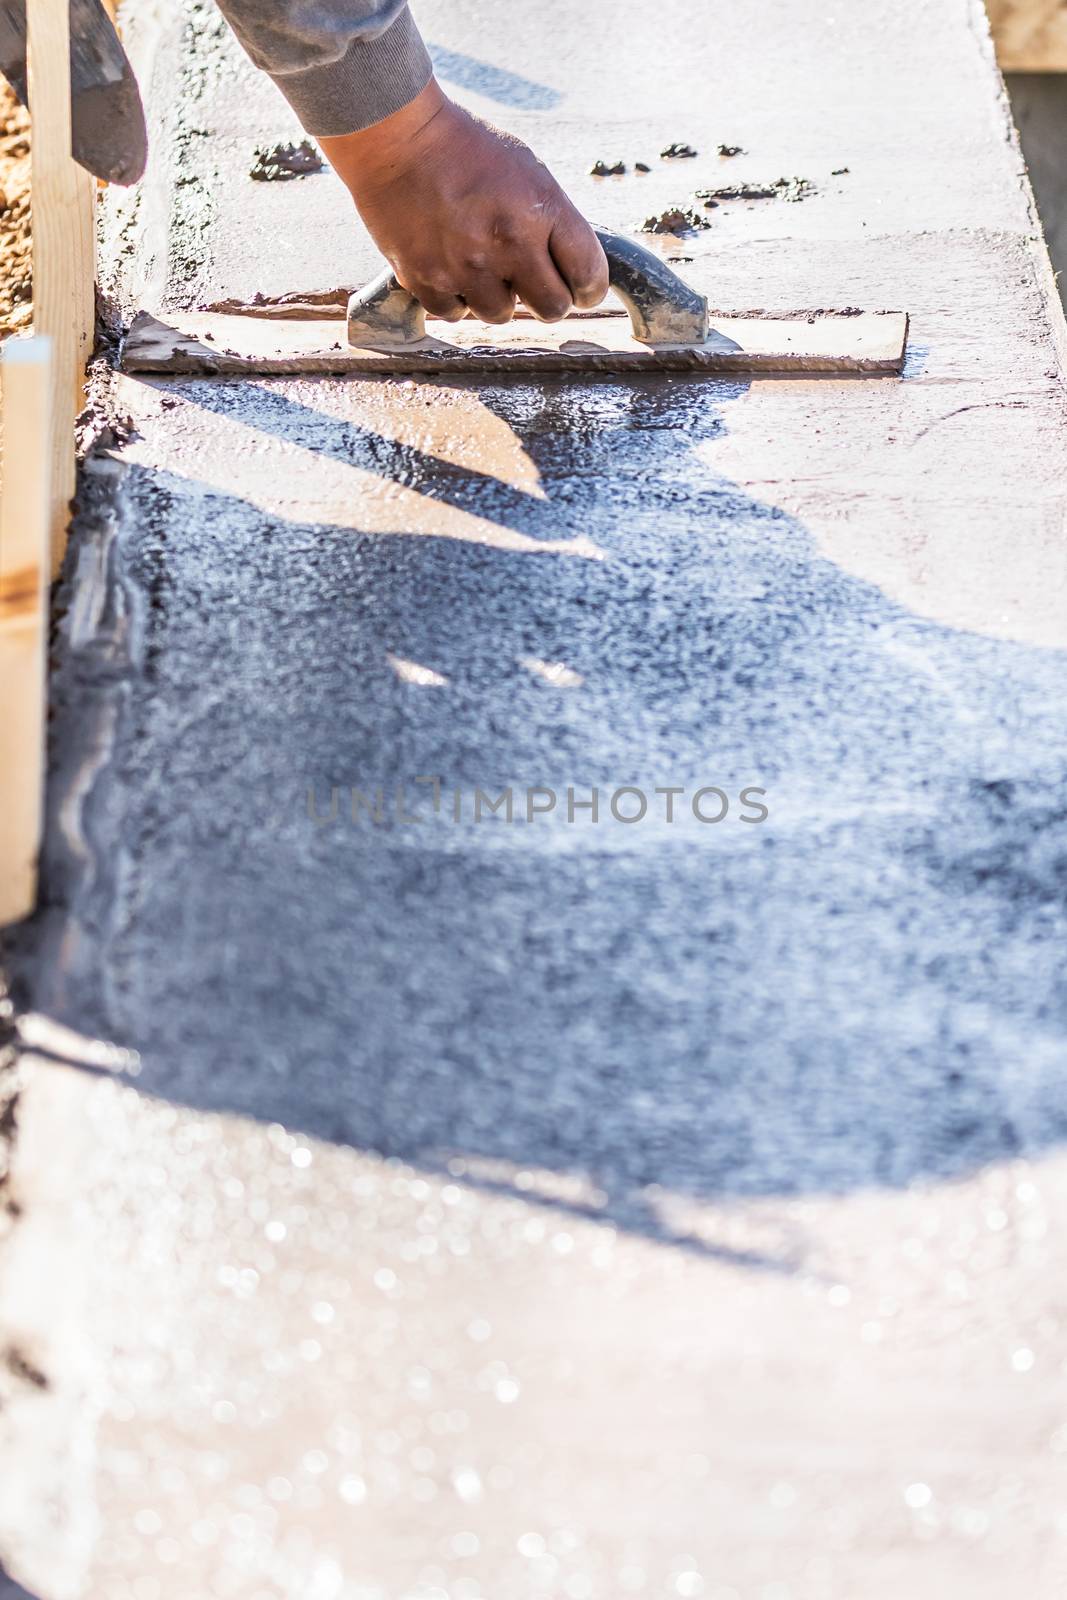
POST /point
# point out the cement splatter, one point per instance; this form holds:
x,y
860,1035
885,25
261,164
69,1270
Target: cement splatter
x,y
789,189
675,220
286,161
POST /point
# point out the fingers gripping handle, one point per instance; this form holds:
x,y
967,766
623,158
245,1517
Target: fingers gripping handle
x,y
663,309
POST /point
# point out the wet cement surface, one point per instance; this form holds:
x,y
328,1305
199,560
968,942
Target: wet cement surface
x,y
326,1373
833,995
654,1207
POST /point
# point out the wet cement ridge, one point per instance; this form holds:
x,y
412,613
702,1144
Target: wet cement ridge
x,y
99,657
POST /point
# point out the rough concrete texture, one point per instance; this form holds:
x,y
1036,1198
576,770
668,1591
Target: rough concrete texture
x,y
549,1208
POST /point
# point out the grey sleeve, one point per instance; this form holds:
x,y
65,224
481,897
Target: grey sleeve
x,y
341,64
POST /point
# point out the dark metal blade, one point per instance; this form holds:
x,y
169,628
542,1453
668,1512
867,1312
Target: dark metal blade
x,y
108,135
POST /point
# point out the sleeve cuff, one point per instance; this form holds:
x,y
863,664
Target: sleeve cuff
x,y
374,78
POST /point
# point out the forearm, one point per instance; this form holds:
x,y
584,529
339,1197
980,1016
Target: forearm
x,y
343,65
467,216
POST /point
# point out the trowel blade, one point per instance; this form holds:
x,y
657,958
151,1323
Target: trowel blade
x,y
108,135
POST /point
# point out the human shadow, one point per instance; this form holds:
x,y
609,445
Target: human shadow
x,y
866,989
10,1590
269,410
495,83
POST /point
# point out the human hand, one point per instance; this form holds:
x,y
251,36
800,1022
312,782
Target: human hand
x,y
467,216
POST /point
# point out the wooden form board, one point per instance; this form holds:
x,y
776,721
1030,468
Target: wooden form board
x,y
64,293
210,344
24,564
1030,35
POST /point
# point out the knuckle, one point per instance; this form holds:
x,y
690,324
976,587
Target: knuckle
x,y
551,308
492,305
591,293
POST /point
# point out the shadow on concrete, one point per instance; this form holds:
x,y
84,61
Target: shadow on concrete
x,y
494,83
10,1590
269,411
867,989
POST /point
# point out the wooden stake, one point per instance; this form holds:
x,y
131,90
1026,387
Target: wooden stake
x,y
64,257
25,397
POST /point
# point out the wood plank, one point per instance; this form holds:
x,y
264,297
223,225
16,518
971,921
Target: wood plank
x,y
63,248
1030,35
208,343
24,562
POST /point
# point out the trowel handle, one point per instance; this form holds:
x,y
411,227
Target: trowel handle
x,y
663,309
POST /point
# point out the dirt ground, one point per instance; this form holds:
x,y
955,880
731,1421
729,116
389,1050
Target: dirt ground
x,y
16,275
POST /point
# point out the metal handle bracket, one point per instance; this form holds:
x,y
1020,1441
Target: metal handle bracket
x,y
663,310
